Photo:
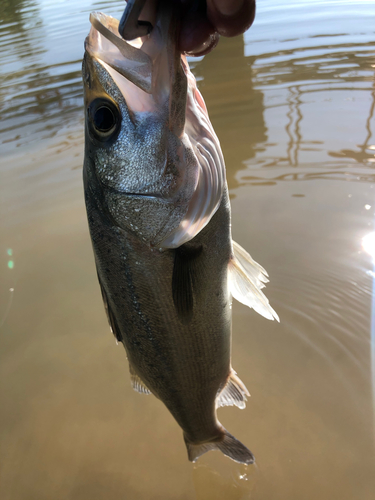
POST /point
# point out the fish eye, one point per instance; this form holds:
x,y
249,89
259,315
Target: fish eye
x,y
104,119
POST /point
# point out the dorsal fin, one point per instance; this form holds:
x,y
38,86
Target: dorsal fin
x,y
137,383
234,393
184,279
247,278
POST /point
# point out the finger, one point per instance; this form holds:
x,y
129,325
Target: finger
x,y
197,35
231,17
148,12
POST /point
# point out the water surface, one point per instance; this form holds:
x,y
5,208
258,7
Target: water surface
x,y
293,105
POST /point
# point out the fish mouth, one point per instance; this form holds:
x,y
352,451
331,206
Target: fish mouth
x,y
150,63
105,44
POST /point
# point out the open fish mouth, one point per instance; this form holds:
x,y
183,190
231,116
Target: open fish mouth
x,y
105,44
156,83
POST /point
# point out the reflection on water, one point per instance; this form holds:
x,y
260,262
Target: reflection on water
x,y
368,244
292,100
307,77
366,153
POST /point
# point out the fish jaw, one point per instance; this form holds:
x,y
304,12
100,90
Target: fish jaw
x,y
166,153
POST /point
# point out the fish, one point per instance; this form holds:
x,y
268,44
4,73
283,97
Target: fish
x,y
159,219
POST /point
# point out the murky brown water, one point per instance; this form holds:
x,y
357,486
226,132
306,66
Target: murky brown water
x,y
293,104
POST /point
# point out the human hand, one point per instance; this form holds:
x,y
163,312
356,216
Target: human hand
x,y
203,22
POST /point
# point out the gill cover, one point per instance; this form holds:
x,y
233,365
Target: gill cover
x,y
156,83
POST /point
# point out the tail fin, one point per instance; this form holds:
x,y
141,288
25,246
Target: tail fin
x,y
227,444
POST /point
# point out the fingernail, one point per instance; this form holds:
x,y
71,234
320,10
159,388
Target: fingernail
x,y
228,7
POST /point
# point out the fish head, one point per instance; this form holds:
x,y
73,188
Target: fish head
x,y
150,148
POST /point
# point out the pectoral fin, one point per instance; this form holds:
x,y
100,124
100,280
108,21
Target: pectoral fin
x,y
184,279
247,278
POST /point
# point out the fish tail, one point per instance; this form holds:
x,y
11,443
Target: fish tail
x,y
227,444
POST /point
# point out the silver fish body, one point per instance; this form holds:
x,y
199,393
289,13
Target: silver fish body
x,y
164,253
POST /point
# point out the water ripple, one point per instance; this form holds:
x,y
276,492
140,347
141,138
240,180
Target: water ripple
x,y
315,309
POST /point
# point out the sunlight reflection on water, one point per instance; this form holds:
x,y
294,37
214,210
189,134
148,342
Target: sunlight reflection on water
x,y
368,244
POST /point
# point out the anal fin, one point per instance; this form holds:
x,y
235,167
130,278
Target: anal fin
x,y
234,393
137,383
